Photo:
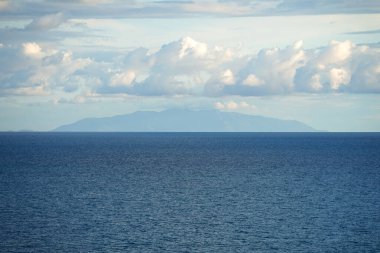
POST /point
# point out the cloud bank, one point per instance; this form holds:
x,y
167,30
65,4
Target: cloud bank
x,y
194,8
190,68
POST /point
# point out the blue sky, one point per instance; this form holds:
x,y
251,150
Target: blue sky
x,y
313,61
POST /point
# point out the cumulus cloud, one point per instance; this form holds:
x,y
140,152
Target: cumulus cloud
x,y
31,70
178,68
232,106
252,80
123,79
187,67
271,71
340,67
32,49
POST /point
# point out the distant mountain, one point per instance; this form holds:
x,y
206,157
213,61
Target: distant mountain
x,y
185,121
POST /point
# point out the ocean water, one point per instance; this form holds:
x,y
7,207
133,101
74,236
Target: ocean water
x,y
189,192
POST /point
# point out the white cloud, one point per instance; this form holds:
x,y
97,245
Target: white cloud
x,y
340,67
235,106
191,47
271,71
32,49
178,68
338,77
227,77
40,71
253,80
315,82
336,52
123,79
219,106
232,105
188,67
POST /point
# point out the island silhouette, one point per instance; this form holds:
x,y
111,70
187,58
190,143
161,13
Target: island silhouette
x,y
183,120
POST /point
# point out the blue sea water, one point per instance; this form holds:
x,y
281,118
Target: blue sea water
x,y
189,192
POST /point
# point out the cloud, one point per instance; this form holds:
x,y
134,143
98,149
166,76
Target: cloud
x,y
178,68
187,67
252,80
271,71
31,49
377,31
123,79
46,22
162,9
232,106
4,4
341,67
327,7
31,70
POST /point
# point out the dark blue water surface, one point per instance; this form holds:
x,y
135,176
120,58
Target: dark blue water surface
x,y
189,192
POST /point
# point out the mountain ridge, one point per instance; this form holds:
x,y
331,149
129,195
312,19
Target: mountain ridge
x,y
184,120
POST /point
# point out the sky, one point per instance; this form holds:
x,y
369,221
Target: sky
x,y
316,61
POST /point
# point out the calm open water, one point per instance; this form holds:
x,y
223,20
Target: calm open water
x,y
189,192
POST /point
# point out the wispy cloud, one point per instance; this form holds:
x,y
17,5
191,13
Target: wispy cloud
x,y
377,31
46,22
165,9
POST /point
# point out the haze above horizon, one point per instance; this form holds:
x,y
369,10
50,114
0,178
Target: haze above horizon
x,y
317,62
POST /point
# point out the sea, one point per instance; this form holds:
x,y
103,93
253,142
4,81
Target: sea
x,y
189,192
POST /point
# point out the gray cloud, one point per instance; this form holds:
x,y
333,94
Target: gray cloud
x,y
46,22
327,7
365,32
165,9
